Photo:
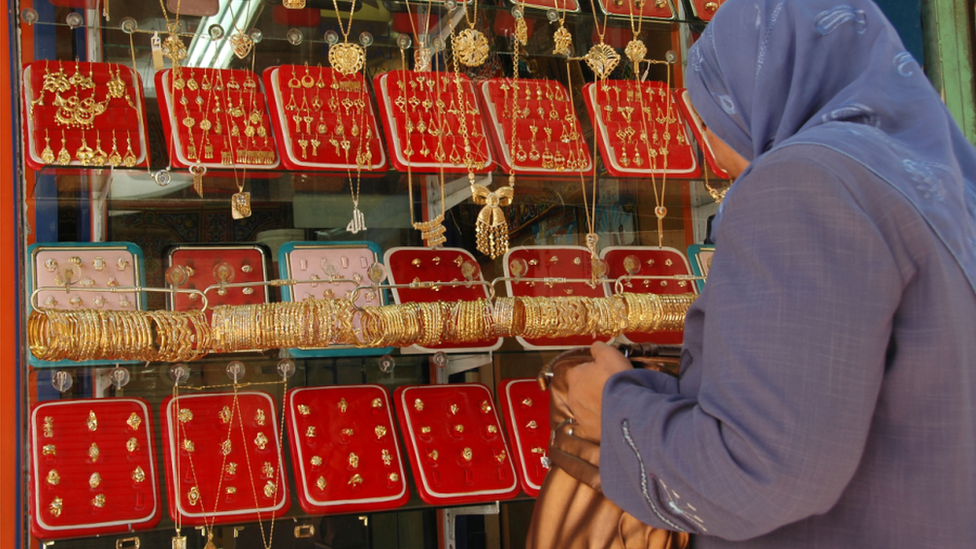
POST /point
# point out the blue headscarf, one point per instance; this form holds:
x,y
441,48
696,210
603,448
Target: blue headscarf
x,y
767,74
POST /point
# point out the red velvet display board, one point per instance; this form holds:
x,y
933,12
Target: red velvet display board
x,y
437,112
648,9
548,136
684,101
526,409
554,262
208,115
330,114
650,261
416,265
344,449
92,468
213,482
207,264
705,9
83,115
622,115
457,450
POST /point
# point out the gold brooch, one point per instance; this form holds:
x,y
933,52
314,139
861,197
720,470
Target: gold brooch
x,y
602,59
138,475
92,420
635,51
471,47
347,58
134,421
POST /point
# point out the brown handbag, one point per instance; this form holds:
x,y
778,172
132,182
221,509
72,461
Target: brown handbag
x,y
571,511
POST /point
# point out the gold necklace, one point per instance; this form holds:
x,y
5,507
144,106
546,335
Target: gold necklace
x,y
562,38
601,58
347,58
241,43
636,49
470,45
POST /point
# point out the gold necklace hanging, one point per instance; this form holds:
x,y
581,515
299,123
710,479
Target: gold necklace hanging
x,y
602,59
432,231
636,50
562,39
363,157
240,42
470,45
347,58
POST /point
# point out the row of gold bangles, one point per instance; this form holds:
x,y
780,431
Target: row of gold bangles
x,y
97,334
178,336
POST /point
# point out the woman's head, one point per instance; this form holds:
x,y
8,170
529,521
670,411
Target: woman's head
x,y
764,70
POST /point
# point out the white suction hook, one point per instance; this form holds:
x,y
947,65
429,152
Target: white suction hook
x,y
235,370
61,381
119,377
179,373
440,359
386,364
286,368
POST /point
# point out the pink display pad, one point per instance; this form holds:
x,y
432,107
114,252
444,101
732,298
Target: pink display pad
x,y
526,409
236,493
344,449
247,262
54,90
705,9
103,480
558,145
327,262
443,426
330,113
653,261
553,262
410,265
649,9
430,100
697,128
653,112
234,99
101,266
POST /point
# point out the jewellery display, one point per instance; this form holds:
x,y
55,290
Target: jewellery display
x,y
639,129
470,47
548,136
90,485
67,265
550,265
323,120
644,261
223,127
700,257
326,465
526,407
659,10
705,9
356,263
196,267
420,267
199,476
424,107
452,466
82,108
698,129
346,57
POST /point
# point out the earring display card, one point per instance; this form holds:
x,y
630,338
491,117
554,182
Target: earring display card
x,y
104,266
417,266
554,264
344,449
216,119
649,261
698,128
457,451
83,115
646,9
705,9
526,409
329,262
640,129
548,136
701,262
323,119
206,266
93,468
426,118
223,459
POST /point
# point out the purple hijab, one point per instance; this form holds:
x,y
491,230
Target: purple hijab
x,y
768,74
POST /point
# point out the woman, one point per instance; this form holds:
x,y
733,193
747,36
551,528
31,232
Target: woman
x,y
828,377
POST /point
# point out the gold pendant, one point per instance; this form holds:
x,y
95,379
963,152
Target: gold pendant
x,y
240,205
197,172
347,58
179,542
358,221
242,44
294,4
562,42
602,59
421,59
432,231
635,51
521,31
491,228
174,49
471,47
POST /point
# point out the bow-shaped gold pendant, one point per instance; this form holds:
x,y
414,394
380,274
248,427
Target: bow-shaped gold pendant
x,y
492,227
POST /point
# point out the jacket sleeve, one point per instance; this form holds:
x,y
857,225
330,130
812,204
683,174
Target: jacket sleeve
x,y
798,313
